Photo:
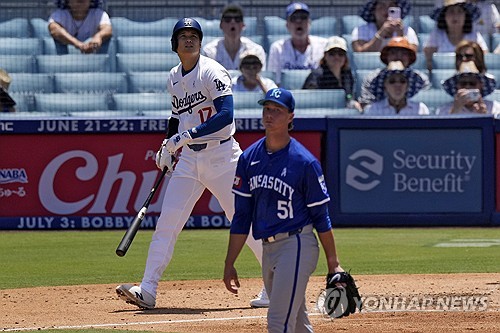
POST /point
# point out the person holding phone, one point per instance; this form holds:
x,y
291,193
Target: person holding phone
x,y
468,87
384,20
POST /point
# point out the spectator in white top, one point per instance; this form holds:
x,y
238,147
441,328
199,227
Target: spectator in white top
x,y
393,88
301,50
250,78
380,27
468,87
81,23
227,50
454,24
489,21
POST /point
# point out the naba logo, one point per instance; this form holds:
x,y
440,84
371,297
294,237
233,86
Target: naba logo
x,y
364,169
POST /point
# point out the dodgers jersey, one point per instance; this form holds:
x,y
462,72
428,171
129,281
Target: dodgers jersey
x,y
193,95
279,192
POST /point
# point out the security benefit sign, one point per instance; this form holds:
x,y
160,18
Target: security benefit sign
x,y
411,170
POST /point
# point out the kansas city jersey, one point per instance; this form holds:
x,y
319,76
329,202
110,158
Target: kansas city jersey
x,y
193,95
281,188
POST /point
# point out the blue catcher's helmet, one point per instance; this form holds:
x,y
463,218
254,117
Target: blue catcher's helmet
x,y
185,23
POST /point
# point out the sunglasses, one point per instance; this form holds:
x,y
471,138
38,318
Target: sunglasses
x,y
299,17
401,80
467,83
336,53
228,19
466,56
254,64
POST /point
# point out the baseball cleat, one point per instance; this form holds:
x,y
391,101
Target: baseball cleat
x,y
262,300
134,295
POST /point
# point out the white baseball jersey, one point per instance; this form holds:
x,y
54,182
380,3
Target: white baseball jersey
x,y
217,51
283,55
193,95
81,30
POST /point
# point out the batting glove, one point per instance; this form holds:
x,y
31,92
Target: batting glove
x,y
177,141
164,159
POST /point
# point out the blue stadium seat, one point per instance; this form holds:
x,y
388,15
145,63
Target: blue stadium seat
x,y
318,99
294,78
496,74
246,100
16,28
495,41
324,26
49,48
271,39
360,76
24,103
125,27
67,103
425,24
422,40
492,61
73,63
275,25
144,62
29,83
99,83
366,60
139,102
440,75
148,82
443,60
210,27
143,44
494,96
420,63
20,46
17,63
433,98
39,27
349,22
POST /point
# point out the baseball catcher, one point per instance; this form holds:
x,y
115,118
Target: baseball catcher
x,y
341,295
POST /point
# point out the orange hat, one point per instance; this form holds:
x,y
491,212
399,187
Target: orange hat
x,y
400,42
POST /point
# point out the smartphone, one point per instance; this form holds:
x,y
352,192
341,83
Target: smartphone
x,y
394,13
473,95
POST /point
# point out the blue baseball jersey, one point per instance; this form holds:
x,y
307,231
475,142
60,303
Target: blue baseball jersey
x,y
279,192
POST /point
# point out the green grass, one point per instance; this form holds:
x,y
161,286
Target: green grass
x,y
51,258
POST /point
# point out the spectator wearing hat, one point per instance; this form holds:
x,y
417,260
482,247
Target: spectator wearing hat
x,y
470,51
393,87
334,71
6,102
454,23
81,23
250,78
227,50
488,22
468,87
380,27
397,49
301,50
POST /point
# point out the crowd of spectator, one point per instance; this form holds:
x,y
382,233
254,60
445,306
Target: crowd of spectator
x,y
461,26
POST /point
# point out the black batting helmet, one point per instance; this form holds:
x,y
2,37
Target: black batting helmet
x,y
185,23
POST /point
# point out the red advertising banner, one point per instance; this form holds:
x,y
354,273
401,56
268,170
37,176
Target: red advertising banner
x,y
93,180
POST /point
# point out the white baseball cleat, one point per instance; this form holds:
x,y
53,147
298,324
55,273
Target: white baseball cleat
x,y
262,300
134,295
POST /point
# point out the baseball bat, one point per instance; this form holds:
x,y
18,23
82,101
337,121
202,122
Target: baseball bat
x,y
134,227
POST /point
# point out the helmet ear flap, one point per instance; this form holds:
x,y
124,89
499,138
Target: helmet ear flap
x,y
174,42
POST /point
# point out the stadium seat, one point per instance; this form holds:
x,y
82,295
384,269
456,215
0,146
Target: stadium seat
x,y
494,96
425,24
39,27
73,63
294,78
443,60
30,83
318,99
433,98
271,39
420,63
98,83
24,103
440,75
67,103
246,100
360,76
17,63
366,60
125,27
143,44
495,41
492,61
496,74
324,26
422,41
20,46
144,62
139,102
148,82
349,22
15,28
49,48
211,27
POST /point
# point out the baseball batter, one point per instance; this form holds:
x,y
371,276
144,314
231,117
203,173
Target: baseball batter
x,y
203,125
280,192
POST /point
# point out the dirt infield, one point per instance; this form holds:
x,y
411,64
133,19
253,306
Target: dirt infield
x,y
394,303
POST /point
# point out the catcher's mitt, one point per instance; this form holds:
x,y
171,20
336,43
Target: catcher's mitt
x,y
341,301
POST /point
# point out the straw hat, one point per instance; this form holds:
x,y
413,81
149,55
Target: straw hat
x,y
5,79
415,81
366,12
399,42
469,68
470,8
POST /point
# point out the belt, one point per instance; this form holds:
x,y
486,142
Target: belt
x,y
283,235
201,146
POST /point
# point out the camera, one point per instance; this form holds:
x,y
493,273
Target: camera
x,y
473,95
394,13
